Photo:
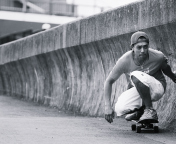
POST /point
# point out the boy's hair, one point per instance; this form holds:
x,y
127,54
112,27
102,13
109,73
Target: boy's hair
x,y
139,36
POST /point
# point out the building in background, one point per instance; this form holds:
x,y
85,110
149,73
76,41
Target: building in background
x,y
20,18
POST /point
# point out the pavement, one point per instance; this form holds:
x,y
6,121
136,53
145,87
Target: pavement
x,y
26,122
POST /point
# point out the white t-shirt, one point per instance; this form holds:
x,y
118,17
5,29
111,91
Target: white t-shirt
x,y
152,66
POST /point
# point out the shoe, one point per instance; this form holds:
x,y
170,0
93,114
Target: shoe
x,y
134,116
149,114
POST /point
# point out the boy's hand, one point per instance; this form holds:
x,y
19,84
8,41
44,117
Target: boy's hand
x,y
174,78
110,117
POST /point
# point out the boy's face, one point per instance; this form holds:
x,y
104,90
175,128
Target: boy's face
x,y
141,50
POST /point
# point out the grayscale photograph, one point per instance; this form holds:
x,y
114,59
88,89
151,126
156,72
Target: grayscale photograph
x,y
87,71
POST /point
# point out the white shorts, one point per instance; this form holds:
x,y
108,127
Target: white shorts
x,y
130,99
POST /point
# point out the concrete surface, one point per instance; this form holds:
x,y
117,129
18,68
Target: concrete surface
x,y
66,66
23,122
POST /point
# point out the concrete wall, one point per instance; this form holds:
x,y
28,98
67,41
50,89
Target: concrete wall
x,y
66,66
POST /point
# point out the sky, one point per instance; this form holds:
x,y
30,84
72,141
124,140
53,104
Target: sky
x,y
108,3
85,6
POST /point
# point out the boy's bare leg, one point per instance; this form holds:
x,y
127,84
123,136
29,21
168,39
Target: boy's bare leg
x,y
143,91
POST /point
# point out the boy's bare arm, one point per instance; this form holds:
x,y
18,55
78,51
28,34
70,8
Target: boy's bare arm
x,y
168,71
113,76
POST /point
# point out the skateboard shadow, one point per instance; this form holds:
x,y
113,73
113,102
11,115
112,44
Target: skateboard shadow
x,y
150,131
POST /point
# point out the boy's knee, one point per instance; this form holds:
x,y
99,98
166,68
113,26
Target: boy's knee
x,y
139,78
138,83
135,80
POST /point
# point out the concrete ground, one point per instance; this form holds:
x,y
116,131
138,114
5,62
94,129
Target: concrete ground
x,y
23,122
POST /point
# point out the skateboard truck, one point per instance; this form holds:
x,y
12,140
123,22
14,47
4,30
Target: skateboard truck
x,y
147,124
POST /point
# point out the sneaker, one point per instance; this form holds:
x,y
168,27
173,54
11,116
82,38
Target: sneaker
x,y
149,114
134,116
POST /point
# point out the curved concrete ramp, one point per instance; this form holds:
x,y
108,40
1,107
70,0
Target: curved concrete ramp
x,y
66,66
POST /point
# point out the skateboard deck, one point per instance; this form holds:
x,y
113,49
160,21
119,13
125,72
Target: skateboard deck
x,y
147,124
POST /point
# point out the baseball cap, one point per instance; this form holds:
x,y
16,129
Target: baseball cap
x,y
137,35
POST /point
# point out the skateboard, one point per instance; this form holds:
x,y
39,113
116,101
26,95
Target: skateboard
x,y
147,124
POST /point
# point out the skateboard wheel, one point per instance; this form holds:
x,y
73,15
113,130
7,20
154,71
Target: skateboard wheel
x,y
150,125
156,129
133,127
138,129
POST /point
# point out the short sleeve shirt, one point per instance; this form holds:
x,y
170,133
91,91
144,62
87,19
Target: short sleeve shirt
x,y
152,66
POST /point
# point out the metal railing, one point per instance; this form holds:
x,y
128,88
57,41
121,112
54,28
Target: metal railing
x,y
15,36
48,7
